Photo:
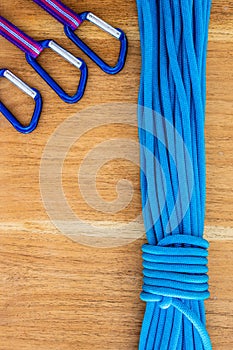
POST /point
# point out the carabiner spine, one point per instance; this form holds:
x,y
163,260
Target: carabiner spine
x,y
19,83
65,54
103,25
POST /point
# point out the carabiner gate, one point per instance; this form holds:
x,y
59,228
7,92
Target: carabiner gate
x,y
77,62
33,93
115,32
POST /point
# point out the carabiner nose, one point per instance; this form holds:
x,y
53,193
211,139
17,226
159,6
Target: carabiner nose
x,y
116,33
33,93
77,62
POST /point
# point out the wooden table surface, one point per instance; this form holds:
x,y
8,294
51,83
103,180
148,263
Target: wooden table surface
x,y
61,295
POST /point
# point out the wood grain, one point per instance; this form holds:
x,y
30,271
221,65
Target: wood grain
x,y
57,294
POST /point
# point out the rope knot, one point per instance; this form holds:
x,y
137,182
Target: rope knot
x,y
165,303
175,268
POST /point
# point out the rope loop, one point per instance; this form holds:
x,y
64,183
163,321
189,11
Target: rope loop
x,y
175,268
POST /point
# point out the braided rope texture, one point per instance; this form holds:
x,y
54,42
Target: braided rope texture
x,y
172,96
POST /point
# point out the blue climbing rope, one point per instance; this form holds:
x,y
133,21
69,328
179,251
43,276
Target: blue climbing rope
x,y
171,118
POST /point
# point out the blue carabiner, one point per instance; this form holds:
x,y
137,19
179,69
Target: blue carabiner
x,y
77,62
115,32
33,93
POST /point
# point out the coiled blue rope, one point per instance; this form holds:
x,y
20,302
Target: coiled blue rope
x,y
174,35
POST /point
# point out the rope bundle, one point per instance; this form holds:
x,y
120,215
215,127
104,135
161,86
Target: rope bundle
x,y
172,98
